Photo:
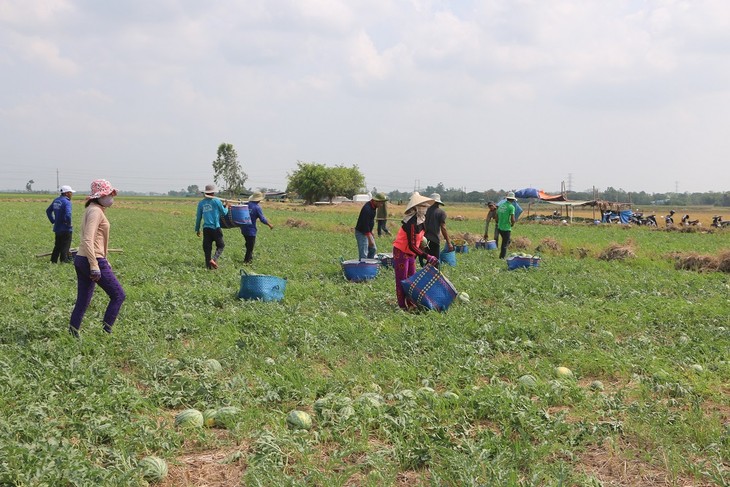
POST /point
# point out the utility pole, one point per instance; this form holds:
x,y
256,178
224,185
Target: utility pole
x,y
570,181
58,183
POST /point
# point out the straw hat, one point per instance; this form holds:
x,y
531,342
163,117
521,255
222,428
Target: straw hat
x,y
256,197
101,187
510,196
418,199
436,198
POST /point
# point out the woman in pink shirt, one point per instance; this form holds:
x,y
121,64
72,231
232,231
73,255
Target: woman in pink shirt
x,y
91,265
407,245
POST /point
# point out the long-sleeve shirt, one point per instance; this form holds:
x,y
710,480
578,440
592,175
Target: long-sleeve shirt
x,y
94,241
366,219
59,213
256,213
408,239
492,215
209,212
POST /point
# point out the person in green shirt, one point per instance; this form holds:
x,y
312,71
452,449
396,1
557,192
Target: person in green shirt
x,y
505,221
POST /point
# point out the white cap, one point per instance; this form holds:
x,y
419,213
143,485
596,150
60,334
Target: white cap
x,y
66,189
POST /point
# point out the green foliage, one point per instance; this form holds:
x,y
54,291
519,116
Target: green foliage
x,y
312,181
227,169
418,398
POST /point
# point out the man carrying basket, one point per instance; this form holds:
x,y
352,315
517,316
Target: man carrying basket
x,y
210,210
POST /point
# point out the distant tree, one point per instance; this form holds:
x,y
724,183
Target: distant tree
x,y
344,181
313,181
193,189
308,181
27,185
228,169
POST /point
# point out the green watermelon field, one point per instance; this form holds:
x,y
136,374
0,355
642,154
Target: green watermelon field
x,y
468,397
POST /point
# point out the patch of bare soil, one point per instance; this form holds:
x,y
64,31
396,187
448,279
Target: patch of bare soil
x,y
617,465
215,468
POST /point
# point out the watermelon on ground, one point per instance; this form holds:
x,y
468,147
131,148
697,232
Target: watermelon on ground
x,y
154,469
299,420
189,418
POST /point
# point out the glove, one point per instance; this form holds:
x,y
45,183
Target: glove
x,y
95,275
432,260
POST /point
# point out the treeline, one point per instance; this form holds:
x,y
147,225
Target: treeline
x,y
458,195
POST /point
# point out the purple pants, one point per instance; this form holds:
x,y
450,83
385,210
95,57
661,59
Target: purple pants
x,y
86,286
404,266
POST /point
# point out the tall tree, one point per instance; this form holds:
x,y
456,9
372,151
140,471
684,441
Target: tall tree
x,y
308,181
229,170
314,181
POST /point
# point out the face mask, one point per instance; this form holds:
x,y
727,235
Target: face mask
x,y
106,201
421,210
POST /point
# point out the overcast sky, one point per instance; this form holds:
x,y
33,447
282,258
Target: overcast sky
x,y
492,94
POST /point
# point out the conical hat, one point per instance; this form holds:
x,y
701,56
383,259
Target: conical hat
x,y
417,199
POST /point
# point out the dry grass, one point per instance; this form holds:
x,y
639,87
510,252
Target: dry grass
x,y
521,243
460,238
549,244
618,464
702,262
294,223
618,252
218,468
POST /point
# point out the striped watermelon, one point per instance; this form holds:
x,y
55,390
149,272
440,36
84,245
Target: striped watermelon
x,y
154,469
299,420
189,418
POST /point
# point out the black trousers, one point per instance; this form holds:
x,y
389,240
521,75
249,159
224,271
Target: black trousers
x,y
250,244
383,227
506,239
61,247
211,235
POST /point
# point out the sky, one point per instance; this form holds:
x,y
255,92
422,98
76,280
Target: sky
x,y
490,94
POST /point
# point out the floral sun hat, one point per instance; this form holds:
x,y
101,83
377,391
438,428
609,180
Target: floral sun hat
x,y
101,187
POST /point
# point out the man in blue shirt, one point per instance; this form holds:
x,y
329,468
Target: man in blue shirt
x,y
59,213
210,210
249,230
364,228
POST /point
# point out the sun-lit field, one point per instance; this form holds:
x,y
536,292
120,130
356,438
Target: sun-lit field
x,y
471,396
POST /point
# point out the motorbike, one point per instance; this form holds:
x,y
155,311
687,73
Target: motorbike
x,y
611,217
637,218
687,222
718,222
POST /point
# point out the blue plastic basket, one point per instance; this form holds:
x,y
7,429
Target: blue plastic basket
x,y
261,287
448,257
429,289
240,214
522,262
360,270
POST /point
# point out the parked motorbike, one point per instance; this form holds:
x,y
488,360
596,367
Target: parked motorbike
x,y
611,217
718,222
687,222
637,218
